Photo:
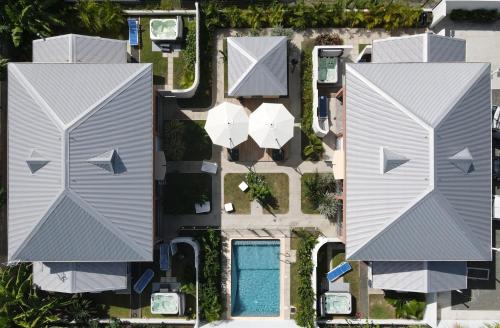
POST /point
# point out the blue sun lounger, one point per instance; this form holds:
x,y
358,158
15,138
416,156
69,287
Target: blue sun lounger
x,y
143,281
338,271
133,31
165,257
323,107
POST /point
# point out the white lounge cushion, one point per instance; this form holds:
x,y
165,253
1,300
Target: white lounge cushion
x,y
243,186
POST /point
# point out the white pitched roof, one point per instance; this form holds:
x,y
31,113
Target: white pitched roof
x,y
257,66
420,277
70,209
426,209
75,48
426,47
80,277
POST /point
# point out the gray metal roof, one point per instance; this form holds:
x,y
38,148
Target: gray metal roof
x,y
74,48
257,66
427,208
421,277
70,209
427,47
80,277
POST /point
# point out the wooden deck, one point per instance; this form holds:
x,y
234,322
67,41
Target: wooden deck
x,y
251,152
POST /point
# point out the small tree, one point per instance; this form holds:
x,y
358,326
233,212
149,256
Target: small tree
x,y
259,189
329,206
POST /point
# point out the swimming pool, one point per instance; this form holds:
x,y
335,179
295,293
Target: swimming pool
x,y
255,278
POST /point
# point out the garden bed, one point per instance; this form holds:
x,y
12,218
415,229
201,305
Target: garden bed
x,y
183,190
278,183
147,55
186,140
184,64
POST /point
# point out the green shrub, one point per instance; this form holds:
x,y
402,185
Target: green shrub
x,y
189,55
210,289
321,191
258,188
476,16
306,315
407,305
313,146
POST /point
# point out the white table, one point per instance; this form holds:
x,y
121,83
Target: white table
x,y
243,186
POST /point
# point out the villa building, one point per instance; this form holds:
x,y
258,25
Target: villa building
x,y
80,163
418,157
257,66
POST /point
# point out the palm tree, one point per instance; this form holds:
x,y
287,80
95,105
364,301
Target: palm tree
x,y
21,305
233,16
314,149
212,16
276,14
319,15
100,17
300,15
254,16
28,19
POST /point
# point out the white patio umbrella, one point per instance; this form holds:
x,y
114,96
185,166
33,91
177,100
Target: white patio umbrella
x,y
271,125
227,125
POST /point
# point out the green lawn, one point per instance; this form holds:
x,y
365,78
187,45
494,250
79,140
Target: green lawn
x,y
233,194
278,182
186,140
183,190
305,204
380,309
111,305
149,56
362,46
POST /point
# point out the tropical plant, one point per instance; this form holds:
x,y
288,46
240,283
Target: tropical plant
x,y
81,310
2,197
329,205
282,31
188,289
210,289
233,16
306,315
276,14
212,16
22,305
407,306
29,19
299,16
99,17
314,148
258,188
319,15
3,71
254,17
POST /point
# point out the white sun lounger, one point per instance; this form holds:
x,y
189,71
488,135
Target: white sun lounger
x,y
202,208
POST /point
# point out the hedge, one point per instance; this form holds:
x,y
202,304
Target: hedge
x,y
210,289
475,16
306,315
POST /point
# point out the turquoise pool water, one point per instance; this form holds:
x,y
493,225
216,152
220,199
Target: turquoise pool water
x,y
255,278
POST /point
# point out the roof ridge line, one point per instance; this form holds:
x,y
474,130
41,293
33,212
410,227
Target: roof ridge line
x,y
37,98
243,76
427,192
39,224
464,91
390,99
104,221
106,98
457,215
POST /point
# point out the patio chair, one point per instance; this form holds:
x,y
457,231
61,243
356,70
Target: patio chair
x,y
233,155
200,208
133,31
278,155
338,271
209,167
